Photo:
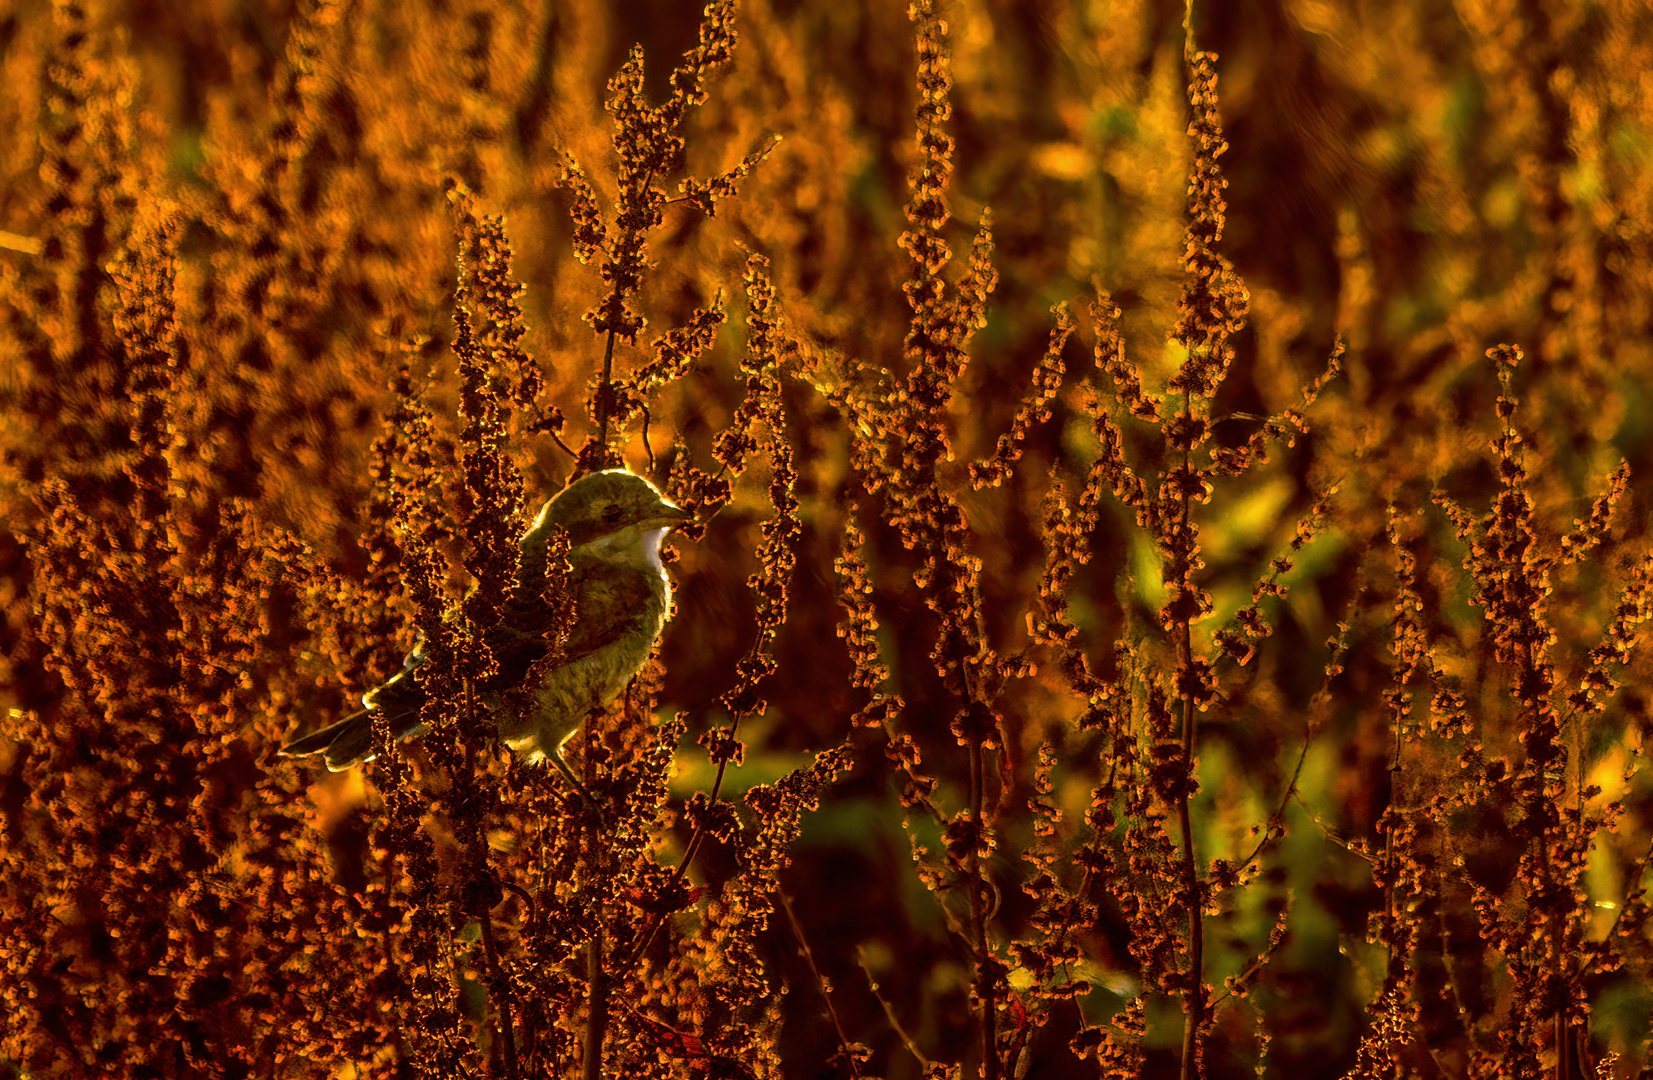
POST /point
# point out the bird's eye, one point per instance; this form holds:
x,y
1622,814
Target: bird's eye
x,y
611,513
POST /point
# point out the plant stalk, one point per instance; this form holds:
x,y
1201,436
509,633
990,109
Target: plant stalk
x,y
978,917
1194,998
605,390
501,997
1193,1001
596,1022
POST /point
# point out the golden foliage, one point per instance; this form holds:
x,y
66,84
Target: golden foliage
x,y
302,306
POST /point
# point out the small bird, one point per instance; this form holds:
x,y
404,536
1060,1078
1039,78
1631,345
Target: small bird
x,y
616,522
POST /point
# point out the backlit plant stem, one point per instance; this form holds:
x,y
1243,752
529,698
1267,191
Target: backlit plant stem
x,y
978,921
1194,994
597,983
605,393
596,1024
1194,998
500,992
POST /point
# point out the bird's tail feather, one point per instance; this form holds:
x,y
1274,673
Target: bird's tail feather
x,y
349,741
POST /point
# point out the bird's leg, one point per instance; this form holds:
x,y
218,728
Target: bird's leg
x,y
584,792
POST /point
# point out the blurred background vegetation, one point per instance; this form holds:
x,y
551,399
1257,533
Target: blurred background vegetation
x,y
1423,179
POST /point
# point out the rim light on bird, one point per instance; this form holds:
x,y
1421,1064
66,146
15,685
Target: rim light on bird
x,y
616,522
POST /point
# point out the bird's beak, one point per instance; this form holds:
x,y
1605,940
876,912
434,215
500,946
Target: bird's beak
x,y
668,515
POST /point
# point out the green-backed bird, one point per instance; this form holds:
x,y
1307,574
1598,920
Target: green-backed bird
x,y
616,522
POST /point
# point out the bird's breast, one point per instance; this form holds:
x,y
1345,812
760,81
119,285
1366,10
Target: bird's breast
x,y
621,610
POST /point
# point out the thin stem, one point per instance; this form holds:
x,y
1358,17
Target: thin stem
x,y
647,449
595,984
596,1025
527,899
501,993
565,447
616,308
604,389
820,983
393,875
1194,999
978,921
682,871
889,1011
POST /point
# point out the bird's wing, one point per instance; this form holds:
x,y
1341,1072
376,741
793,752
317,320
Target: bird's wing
x,y
609,602
401,698
348,742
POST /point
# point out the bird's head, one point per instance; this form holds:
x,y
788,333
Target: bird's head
x,y
615,507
